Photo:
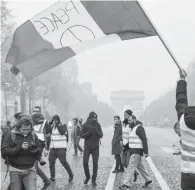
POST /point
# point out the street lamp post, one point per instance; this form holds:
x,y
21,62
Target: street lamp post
x,y
16,106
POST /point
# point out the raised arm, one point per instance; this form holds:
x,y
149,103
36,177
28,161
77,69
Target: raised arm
x,y
181,96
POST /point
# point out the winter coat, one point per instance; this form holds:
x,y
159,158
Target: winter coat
x,y
92,132
117,137
17,156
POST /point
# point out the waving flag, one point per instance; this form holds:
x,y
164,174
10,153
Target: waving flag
x,y
68,28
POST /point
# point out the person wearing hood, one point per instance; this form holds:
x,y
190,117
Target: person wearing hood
x,y
21,147
138,147
91,132
75,136
116,144
58,147
186,118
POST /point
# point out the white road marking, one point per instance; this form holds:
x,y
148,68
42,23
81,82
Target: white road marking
x,y
160,179
167,150
111,179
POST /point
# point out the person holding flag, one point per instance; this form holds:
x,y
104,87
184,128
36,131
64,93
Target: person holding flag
x,y
186,118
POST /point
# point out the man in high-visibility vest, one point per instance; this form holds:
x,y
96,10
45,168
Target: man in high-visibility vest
x,y
138,147
186,118
58,147
41,127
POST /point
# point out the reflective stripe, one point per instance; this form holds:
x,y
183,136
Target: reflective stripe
x,y
134,140
187,167
188,148
188,158
58,140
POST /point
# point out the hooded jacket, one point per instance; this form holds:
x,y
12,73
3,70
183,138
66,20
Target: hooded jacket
x,y
92,132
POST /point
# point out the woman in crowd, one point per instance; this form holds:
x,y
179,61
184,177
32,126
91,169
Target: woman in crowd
x,y
116,144
21,147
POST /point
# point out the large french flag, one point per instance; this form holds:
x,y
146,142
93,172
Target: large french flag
x,y
70,27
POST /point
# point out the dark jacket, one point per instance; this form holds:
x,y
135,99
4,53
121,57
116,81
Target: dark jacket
x,y
116,146
140,132
187,180
17,156
91,132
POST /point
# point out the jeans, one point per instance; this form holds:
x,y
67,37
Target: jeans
x,y
77,146
95,157
59,153
27,177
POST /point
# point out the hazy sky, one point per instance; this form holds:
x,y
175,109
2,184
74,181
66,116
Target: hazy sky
x,y
140,64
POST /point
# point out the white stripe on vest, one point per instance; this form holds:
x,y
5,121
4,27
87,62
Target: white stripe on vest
x,y
125,134
58,140
187,148
134,140
39,130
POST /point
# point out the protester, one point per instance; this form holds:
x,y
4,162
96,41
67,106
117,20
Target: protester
x,y
116,144
92,133
76,132
138,147
125,141
58,147
186,118
21,147
40,126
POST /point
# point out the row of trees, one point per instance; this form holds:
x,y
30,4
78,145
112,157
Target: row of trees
x,y
57,88
164,107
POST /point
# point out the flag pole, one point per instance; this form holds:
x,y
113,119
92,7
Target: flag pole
x,y
161,39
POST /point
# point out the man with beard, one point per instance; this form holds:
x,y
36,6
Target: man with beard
x,y
92,133
125,142
138,147
186,118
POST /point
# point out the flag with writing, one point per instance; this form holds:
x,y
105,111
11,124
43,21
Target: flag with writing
x,y
70,27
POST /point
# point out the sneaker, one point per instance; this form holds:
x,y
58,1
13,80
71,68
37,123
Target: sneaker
x,y
135,176
146,184
122,170
74,154
94,184
86,181
46,185
124,187
116,171
52,178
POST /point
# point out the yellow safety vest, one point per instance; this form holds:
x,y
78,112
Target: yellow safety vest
x,y
58,140
125,134
134,140
39,130
187,148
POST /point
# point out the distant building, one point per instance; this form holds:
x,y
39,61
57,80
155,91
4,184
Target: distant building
x,y
123,100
